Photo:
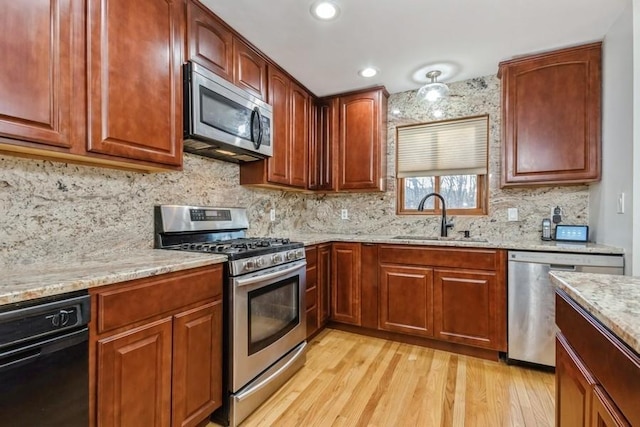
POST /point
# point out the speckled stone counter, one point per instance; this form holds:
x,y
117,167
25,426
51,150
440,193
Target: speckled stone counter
x,y
524,245
612,300
30,281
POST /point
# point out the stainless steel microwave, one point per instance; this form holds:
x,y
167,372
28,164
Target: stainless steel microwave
x,y
222,120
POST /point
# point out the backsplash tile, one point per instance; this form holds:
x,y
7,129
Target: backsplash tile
x,y
50,211
375,213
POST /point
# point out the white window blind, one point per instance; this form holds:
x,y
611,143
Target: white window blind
x,y
457,147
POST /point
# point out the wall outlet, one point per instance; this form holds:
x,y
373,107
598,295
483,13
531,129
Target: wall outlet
x,y
272,214
512,214
621,203
344,214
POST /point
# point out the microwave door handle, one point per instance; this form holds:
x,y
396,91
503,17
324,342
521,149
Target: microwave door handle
x,y
260,130
255,114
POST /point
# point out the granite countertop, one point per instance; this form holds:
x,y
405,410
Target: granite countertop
x,y
612,300
30,281
535,245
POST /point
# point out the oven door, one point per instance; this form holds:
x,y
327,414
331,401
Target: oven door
x,y
268,319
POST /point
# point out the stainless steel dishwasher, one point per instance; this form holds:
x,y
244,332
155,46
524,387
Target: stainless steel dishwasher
x,y
531,303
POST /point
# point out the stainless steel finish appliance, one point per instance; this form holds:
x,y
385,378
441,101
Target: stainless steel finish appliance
x,y
223,121
44,362
531,301
265,284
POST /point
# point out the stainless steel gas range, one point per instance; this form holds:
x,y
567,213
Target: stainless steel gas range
x,y
264,312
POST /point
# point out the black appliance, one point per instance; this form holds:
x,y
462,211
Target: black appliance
x,y
44,362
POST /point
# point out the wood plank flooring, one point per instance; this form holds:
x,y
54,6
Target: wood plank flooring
x,y
353,380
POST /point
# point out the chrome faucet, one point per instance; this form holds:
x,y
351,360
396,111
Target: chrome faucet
x,y
444,225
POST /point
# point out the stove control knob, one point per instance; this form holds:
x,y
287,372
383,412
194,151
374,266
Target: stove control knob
x,y
291,255
300,253
277,258
249,265
259,262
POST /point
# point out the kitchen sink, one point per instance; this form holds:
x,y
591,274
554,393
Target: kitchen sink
x,y
443,239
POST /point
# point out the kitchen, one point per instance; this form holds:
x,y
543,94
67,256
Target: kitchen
x,y
57,210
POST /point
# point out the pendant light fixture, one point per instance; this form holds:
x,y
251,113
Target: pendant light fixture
x,y
433,90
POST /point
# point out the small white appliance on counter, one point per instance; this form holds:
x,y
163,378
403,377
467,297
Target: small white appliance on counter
x,y
531,302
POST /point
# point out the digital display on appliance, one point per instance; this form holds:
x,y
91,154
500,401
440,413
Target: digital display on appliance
x,y
572,233
210,215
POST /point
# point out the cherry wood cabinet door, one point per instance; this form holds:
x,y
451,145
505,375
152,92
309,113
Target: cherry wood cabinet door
x,y
209,41
604,412
135,85
469,308
134,377
249,69
311,297
362,138
278,163
300,117
345,283
573,387
41,77
551,106
197,364
324,283
406,299
322,146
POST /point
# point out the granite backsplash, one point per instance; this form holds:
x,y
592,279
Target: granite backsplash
x,y
50,211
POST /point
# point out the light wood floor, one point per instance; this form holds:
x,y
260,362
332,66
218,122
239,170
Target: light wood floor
x,y
353,380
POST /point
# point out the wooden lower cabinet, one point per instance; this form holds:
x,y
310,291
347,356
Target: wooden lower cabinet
x,y
197,371
573,385
469,308
155,350
345,283
597,375
134,376
317,295
604,412
406,299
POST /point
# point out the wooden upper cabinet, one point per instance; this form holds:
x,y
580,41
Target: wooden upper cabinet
x,y
135,85
300,119
41,90
362,141
290,133
209,41
551,113
322,146
280,100
250,69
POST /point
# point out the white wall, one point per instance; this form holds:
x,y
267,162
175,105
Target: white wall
x,y
606,224
635,259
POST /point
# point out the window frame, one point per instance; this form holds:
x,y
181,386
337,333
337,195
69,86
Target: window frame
x,y
481,197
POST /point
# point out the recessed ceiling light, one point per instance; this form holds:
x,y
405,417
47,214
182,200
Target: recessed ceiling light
x,y
368,72
325,10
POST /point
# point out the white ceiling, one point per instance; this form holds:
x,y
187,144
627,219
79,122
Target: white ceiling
x,y
406,38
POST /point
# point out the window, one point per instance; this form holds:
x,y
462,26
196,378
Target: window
x,y
448,157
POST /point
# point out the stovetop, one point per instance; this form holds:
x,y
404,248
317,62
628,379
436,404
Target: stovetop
x,y
241,248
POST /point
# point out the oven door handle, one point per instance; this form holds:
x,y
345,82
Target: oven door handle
x,y
269,276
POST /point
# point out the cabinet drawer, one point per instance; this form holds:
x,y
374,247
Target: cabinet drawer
x,y
474,259
120,305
